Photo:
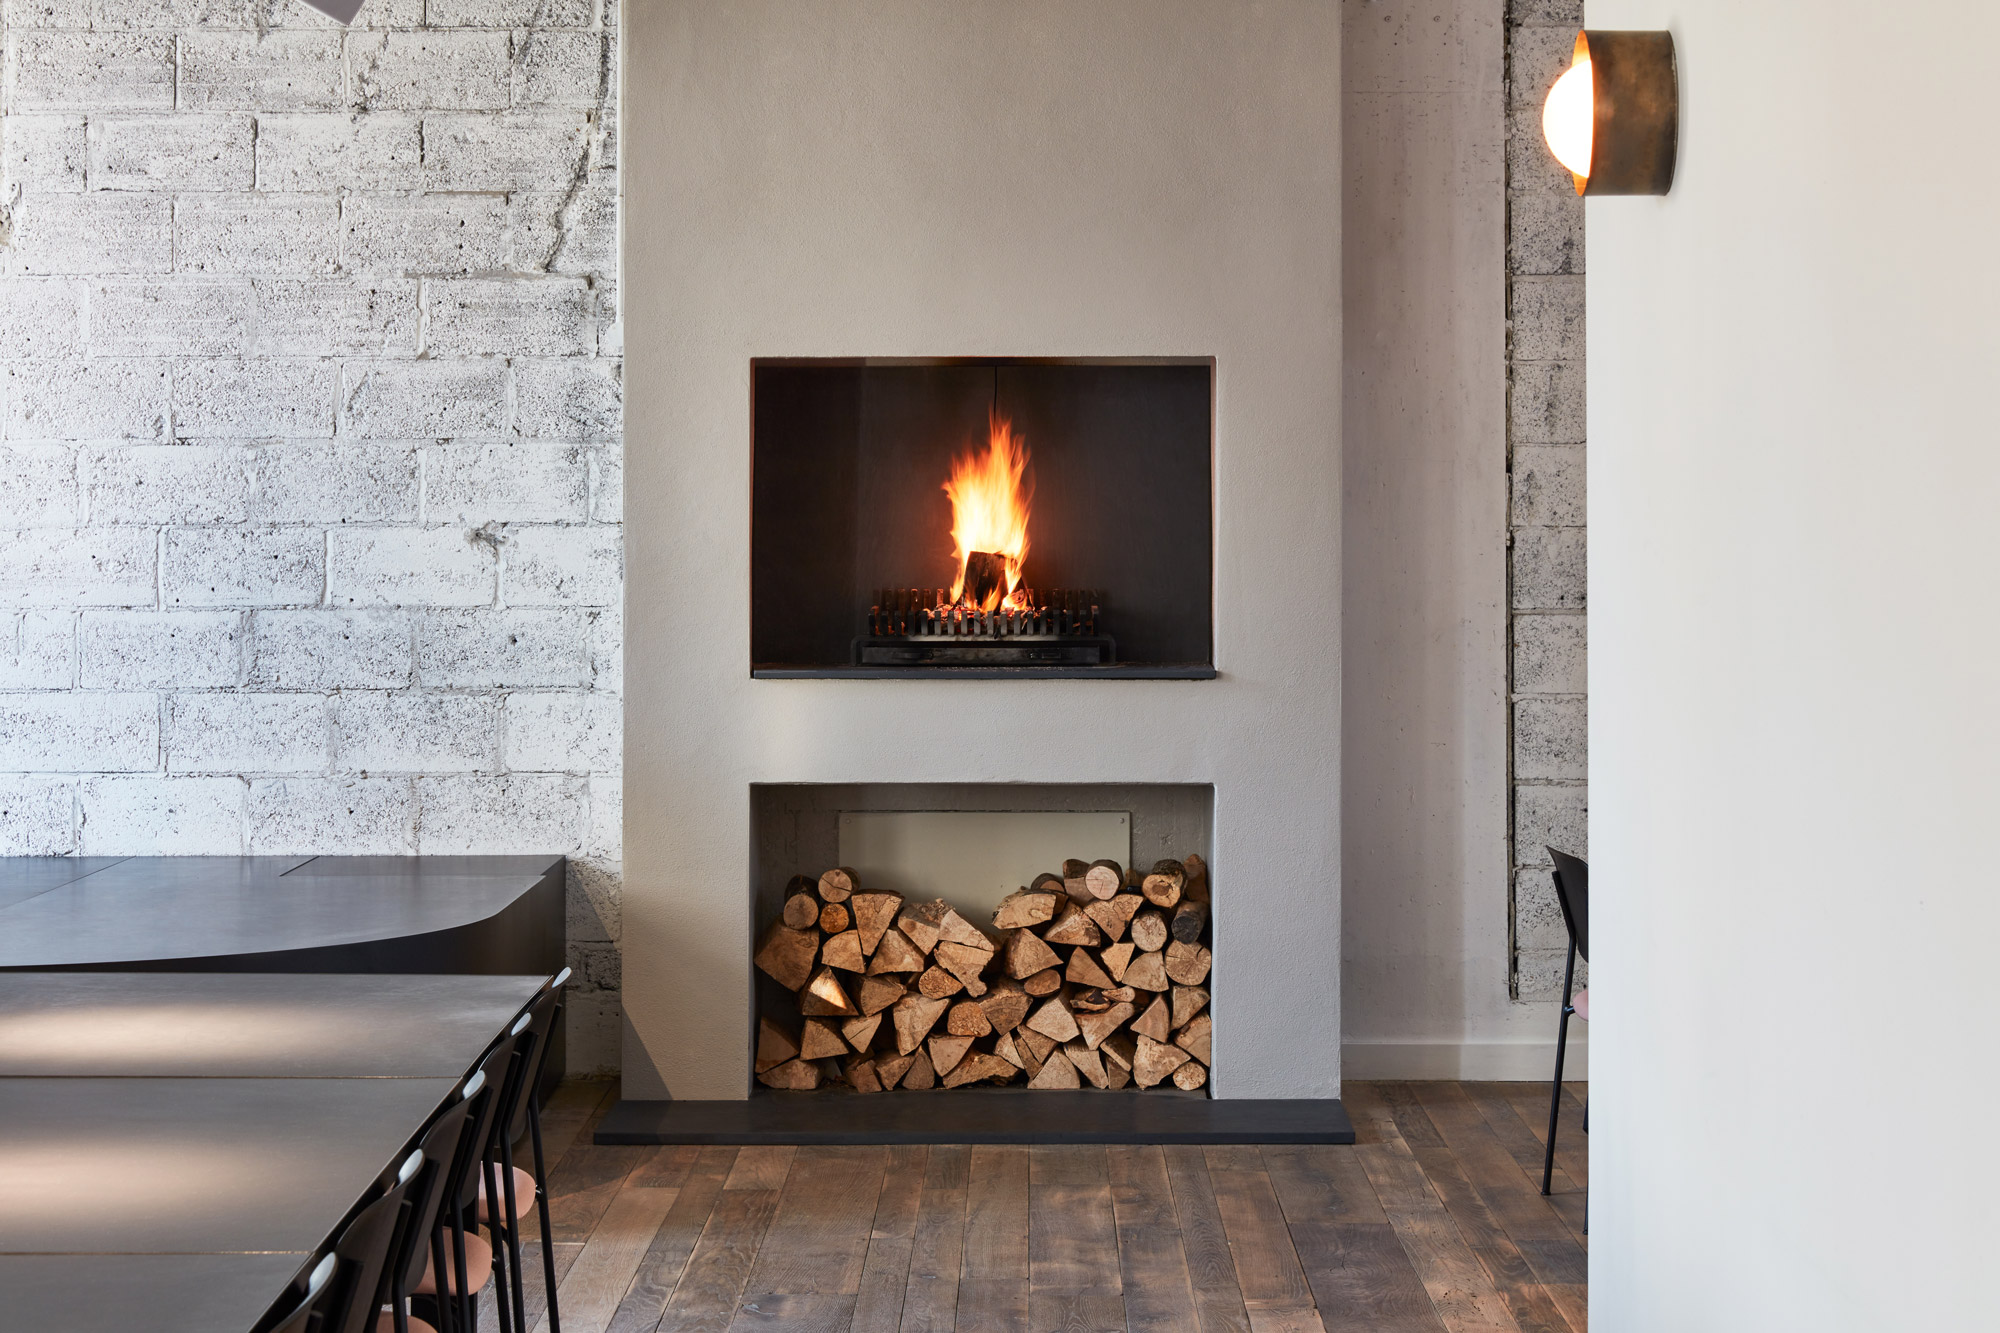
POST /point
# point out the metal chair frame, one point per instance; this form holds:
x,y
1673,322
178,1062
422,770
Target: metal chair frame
x,y
1572,878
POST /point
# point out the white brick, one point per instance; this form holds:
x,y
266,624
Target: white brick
x,y
46,13
247,733
1547,318
513,482
180,152
58,400
568,233
41,318
37,816
606,839
95,567
607,486
508,151
418,71
1548,481
527,812
163,816
256,233
1551,739
333,817
526,316
1546,817
503,650
343,481
115,15
167,483
138,650
417,733
454,233
335,317
610,324
1546,402
563,567
152,318
37,650
1549,569
1549,654
79,733
70,71
42,154
329,650
569,400
409,567
562,69
242,567
93,233
509,13
374,14
592,909
564,733
238,399
38,487
331,152
607,649
425,399
274,71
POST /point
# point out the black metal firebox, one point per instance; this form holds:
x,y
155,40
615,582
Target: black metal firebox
x,y
922,627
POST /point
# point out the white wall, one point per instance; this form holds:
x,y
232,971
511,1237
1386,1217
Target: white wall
x,y
899,178
1794,485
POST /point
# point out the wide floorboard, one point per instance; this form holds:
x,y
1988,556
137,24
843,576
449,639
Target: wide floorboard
x,y
1434,1220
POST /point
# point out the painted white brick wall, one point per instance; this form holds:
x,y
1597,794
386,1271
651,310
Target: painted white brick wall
x,y
310,437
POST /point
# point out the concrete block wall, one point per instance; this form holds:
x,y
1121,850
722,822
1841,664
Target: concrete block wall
x,y
310,437
1545,440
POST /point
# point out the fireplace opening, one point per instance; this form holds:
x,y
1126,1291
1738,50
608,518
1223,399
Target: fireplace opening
x,y
982,518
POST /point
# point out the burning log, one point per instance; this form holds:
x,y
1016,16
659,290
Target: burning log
x,y
985,580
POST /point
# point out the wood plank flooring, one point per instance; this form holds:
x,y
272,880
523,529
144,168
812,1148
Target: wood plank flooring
x,y
1433,1221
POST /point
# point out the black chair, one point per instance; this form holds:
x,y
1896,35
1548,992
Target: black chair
x,y
350,1295
1573,894
444,1143
299,1317
521,1114
451,1282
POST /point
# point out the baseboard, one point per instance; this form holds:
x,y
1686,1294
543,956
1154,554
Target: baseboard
x,y
1479,1061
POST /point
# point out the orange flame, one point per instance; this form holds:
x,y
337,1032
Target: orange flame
x,y
989,507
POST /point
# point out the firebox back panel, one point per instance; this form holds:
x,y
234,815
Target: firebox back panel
x,y
849,461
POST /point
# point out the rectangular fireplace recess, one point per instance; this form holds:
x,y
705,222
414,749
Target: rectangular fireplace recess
x,y
982,518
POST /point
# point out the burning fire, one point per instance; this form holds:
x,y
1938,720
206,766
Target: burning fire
x,y
989,518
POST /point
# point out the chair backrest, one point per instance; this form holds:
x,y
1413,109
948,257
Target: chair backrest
x,y
1573,892
363,1251
444,1142
300,1315
543,1013
461,1185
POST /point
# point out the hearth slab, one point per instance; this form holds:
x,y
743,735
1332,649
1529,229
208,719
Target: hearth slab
x,y
985,1115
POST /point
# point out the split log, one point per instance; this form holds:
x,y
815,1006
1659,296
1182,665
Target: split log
x,y
774,1045
896,954
1090,1001
1084,971
1049,884
1147,971
1150,932
859,1032
1056,1072
1073,927
1197,1039
792,1076
1155,1060
937,983
787,955
1104,878
878,993
1190,1076
1034,1043
1043,983
833,918
1054,1020
1006,1004
920,922
824,997
1025,955
838,884
1097,1028
1190,920
979,1065
984,580
946,1051
1121,995
1119,1049
1086,1061
1153,1022
967,1019
874,913
965,962
913,1017
861,1075
1114,914
822,1039
1196,871
1188,963
1024,908
958,930
1116,957
1031,1063
1188,1001
1006,1050
891,1068
1116,1078
1163,887
801,911
844,952
921,1075
1075,880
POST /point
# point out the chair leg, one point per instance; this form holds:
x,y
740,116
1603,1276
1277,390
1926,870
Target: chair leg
x,y
503,1309
542,1214
1555,1090
513,1237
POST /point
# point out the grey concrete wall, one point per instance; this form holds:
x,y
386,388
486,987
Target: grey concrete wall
x,y
310,534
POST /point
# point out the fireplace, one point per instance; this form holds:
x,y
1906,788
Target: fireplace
x,y
981,518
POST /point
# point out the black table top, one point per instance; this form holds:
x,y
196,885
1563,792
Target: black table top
x,y
251,1025
53,913
199,1165
128,1293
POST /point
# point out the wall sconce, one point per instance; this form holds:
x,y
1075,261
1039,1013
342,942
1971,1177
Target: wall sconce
x,y
1614,118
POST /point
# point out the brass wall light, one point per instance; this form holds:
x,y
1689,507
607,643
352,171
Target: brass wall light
x,y
1613,118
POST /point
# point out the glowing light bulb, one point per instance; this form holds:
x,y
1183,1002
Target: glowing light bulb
x,y
1569,120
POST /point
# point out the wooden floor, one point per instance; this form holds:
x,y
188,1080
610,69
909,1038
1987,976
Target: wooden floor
x,y
1433,1221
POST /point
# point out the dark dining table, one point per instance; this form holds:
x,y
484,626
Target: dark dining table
x,y
176,1148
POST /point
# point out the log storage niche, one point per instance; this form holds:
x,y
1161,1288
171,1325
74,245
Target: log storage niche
x,y
1093,976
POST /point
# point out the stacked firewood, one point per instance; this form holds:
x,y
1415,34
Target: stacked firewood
x,y
1091,976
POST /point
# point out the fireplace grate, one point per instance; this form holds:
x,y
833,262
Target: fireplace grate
x,y
922,627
